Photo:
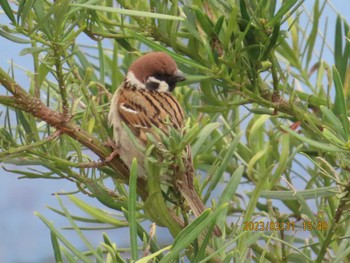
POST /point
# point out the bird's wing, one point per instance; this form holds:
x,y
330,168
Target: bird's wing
x,y
142,109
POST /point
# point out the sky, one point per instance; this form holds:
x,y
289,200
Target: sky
x,y
23,237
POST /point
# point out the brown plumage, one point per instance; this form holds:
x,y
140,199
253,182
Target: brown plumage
x,y
144,100
153,108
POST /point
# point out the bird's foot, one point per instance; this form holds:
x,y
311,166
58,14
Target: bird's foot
x,y
110,143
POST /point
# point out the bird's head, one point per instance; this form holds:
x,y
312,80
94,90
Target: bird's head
x,y
154,71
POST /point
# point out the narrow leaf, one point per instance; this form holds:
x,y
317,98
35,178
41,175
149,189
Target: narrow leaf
x,y
191,232
56,247
128,12
286,7
155,46
340,107
96,212
57,233
8,11
332,121
13,38
203,136
320,145
306,194
222,167
132,209
152,256
311,40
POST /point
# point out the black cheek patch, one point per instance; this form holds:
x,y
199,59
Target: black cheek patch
x,y
171,85
151,85
169,79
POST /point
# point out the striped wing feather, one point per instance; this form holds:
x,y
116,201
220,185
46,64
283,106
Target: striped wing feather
x,y
142,109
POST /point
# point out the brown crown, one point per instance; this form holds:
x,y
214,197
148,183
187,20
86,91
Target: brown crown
x,y
151,64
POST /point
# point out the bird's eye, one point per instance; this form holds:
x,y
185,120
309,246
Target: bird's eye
x,y
161,77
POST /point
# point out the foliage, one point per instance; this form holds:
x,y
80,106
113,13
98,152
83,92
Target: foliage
x,y
265,114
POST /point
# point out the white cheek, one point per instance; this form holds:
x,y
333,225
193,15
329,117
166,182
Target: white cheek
x,y
163,86
134,81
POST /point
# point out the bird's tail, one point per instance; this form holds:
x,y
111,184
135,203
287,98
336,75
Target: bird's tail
x,y
194,201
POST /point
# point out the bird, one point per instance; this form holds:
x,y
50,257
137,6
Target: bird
x,y
144,103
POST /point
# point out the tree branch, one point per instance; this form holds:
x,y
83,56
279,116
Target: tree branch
x,y
24,101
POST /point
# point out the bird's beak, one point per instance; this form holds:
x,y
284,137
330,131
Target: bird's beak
x,y
178,76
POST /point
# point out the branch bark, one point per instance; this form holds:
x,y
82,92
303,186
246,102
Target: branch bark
x,y
23,101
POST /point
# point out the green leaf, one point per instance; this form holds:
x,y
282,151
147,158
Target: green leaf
x,y
222,166
209,95
273,43
218,25
319,145
285,8
260,185
13,38
24,9
128,12
190,23
203,136
76,218
256,128
231,186
79,232
283,159
45,21
244,10
33,50
201,254
112,249
305,209
155,46
8,11
338,42
308,194
260,154
291,56
59,236
340,107
332,121
229,192
333,138
341,51
224,248
190,79
172,26
96,212
70,257
204,22
311,40
162,216
152,256
101,62
192,232
132,210
56,247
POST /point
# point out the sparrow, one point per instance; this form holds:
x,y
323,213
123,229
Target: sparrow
x,y
144,101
